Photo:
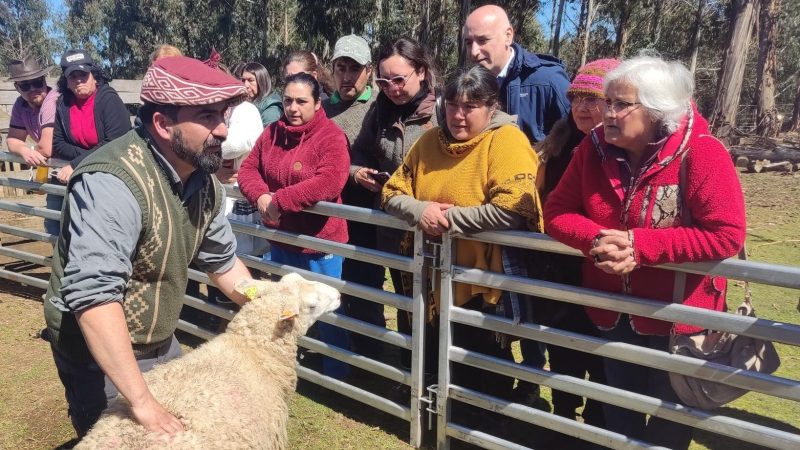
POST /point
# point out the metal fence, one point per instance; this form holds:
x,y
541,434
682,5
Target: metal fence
x,y
439,399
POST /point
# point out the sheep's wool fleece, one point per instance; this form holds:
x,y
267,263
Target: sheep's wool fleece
x,y
230,393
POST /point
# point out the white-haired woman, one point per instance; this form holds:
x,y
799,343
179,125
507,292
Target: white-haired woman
x,y
625,204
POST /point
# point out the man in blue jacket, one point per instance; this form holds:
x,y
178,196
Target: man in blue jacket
x,y
532,86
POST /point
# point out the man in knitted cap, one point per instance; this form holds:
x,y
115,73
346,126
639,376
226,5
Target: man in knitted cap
x,y
532,86
138,212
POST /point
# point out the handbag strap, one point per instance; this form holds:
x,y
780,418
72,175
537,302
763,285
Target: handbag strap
x,y
679,285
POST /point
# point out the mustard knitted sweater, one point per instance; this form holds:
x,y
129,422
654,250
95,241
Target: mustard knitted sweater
x,y
496,167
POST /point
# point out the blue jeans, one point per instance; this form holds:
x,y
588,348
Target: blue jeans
x,y
642,380
325,264
88,390
54,202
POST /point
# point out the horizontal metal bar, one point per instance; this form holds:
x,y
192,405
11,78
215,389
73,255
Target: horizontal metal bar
x,y
30,210
28,234
354,359
745,379
48,188
210,308
756,272
355,393
348,212
697,418
670,312
554,422
194,330
345,287
12,157
200,277
24,279
322,245
25,256
481,439
367,329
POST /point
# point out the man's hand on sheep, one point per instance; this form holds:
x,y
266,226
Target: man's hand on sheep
x,y
153,417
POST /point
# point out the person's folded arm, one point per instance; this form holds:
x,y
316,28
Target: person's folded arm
x,y
716,205
488,217
406,207
564,215
62,148
326,184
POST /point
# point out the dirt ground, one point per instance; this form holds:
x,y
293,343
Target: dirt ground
x,y
33,410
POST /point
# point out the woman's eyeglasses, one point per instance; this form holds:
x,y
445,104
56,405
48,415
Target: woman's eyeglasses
x,y
588,101
398,81
619,105
26,86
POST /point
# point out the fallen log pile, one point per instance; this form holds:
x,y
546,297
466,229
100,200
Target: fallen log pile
x,y
766,156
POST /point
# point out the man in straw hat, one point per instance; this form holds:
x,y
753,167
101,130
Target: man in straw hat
x,y
138,212
33,114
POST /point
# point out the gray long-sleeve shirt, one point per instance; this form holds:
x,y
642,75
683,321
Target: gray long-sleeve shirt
x,y
105,226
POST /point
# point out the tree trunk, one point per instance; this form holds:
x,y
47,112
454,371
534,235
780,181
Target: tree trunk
x,y
552,26
767,123
440,30
655,26
622,28
425,23
794,124
696,29
729,86
556,44
591,9
462,18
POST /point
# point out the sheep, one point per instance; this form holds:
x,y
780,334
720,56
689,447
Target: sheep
x,y
231,392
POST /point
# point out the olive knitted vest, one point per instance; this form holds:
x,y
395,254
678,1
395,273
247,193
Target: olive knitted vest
x,y
168,241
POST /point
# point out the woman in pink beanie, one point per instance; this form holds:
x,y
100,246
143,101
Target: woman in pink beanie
x,y
585,94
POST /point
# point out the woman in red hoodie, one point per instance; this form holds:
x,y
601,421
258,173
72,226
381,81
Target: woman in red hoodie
x,y
625,204
300,160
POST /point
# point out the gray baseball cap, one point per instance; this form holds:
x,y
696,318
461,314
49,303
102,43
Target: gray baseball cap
x,y
354,47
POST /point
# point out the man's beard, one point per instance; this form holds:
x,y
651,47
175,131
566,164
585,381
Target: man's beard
x,y
204,160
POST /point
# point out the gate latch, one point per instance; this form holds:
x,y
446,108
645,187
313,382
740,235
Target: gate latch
x,y
430,403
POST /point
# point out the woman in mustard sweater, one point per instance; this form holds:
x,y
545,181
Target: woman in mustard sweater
x,y
473,173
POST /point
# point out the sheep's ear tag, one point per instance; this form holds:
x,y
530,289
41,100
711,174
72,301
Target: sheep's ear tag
x,y
288,314
250,292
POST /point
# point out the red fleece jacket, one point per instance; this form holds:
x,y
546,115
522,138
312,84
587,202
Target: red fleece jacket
x,y
301,165
590,197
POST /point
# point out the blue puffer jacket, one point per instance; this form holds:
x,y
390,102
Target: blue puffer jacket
x,y
535,89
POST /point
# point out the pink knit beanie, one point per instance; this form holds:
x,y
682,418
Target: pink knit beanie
x,y
589,79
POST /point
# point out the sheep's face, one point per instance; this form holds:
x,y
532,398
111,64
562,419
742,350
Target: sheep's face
x,y
313,298
301,301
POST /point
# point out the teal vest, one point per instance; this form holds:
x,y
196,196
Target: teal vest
x,y
168,242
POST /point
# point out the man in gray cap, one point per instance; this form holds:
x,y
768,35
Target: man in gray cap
x,y
33,114
352,70
136,215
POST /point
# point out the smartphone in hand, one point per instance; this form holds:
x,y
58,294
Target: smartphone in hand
x,y
381,177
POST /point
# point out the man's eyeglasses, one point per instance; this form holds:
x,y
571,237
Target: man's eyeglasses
x,y
398,81
619,105
26,86
589,101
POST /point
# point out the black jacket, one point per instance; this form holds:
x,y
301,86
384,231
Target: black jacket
x,y
111,120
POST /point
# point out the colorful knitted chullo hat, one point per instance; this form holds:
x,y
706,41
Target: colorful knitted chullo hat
x,y
589,78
